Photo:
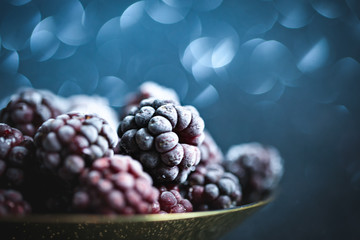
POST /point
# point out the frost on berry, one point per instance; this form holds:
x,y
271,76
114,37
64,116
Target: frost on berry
x,y
165,137
115,185
69,143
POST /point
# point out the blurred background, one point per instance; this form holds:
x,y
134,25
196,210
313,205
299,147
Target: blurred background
x,y
284,73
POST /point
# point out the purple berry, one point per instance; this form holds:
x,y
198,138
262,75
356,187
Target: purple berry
x,y
28,109
171,201
12,203
258,167
16,157
115,185
164,137
210,187
69,143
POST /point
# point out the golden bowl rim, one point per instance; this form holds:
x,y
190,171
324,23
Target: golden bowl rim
x,y
97,218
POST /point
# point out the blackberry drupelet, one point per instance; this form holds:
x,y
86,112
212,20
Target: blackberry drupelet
x,y
71,142
115,185
16,157
171,201
164,137
210,187
28,109
13,204
258,167
149,90
210,151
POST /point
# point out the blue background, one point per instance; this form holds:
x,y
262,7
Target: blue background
x,y
285,73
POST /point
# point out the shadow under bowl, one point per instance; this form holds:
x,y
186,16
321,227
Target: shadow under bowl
x,y
195,225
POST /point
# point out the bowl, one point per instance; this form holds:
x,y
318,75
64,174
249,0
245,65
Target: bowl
x,y
195,225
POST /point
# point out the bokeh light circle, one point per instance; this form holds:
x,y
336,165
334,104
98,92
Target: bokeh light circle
x,y
17,25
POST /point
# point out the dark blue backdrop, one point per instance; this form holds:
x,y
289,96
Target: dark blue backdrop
x,y
285,73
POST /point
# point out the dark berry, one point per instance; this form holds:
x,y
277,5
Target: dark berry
x,y
13,204
16,157
164,137
28,109
210,187
171,201
258,167
71,142
115,185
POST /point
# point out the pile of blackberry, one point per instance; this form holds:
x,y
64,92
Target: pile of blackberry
x,y
73,155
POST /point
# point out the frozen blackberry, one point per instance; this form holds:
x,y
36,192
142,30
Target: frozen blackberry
x,y
115,185
210,187
210,151
149,90
28,109
258,167
164,137
94,105
16,156
13,204
71,142
171,201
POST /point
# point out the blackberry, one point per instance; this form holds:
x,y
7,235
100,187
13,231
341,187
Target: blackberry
x,y
16,156
164,137
210,187
115,185
149,90
71,142
171,201
94,105
258,167
12,203
210,151
28,109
